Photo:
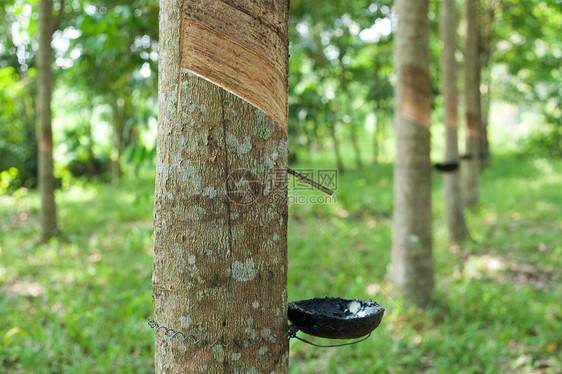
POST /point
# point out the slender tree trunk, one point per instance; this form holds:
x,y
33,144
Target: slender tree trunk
x,y
485,53
471,166
314,138
46,180
91,163
412,259
486,102
220,209
352,125
453,198
378,139
339,160
118,109
376,145
355,145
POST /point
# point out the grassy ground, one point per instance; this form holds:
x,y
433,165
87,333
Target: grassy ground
x,y
80,303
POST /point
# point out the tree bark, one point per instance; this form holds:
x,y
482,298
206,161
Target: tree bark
x,y
355,144
484,140
485,49
118,108
471,165
46,180
345,109
220,209
453,198
376,145
334,136
412,260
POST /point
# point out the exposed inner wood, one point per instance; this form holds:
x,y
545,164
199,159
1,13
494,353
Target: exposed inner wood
x,y
241,62
416,104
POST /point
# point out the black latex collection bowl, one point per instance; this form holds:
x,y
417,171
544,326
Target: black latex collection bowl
x,y
447,166
335,318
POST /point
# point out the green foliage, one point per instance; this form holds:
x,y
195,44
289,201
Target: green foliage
x,y
80,303
337,76
527,56
18,147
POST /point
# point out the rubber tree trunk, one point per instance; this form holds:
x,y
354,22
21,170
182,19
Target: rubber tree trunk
x,y
378,134
91,164
471,165
333,134
412,261
355,144
453,199
46,180
484,140
346,109
220,209
118,123
485,50
376,145
378,137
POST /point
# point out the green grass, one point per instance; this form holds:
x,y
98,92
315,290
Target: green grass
x,y
79,304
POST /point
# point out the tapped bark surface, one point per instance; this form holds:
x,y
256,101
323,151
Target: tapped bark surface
x,y
220,216
453,198
46,180
412,261
471,166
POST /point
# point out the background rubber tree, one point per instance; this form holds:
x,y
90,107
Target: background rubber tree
x,y
412,261
220,209
46,180
451,180
489,9
471,164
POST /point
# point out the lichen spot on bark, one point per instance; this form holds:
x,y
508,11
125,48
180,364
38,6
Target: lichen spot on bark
x,y
263,128
172,100
192,177
266,333
218,353
236,356
263,350
241,147
185,321
251,370
185,87
248,329
243,272
210,191
255,304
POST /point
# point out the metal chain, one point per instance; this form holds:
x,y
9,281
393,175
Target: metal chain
x,y
291,333
171,333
